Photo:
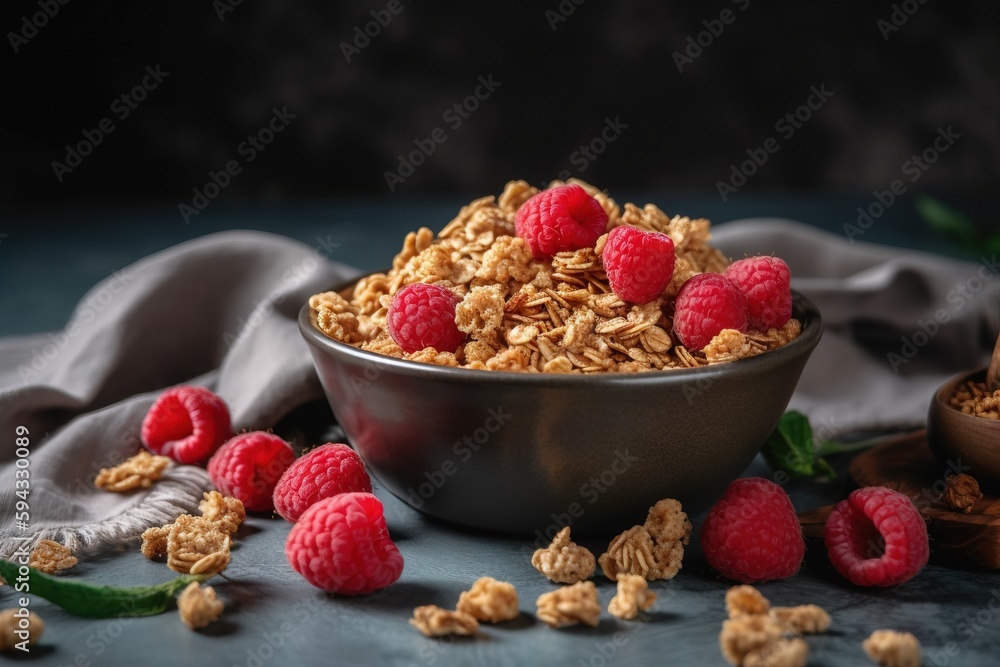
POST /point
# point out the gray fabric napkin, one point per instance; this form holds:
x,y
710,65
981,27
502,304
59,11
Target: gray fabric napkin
x,y
218,311
221,311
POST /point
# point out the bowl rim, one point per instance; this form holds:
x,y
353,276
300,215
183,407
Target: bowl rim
x,y
940,400
812,331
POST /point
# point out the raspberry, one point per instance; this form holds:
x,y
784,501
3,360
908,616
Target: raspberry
x,y
765,281
341,545
249,466
639,264
877,538
324,472
563,218
187,424
423,315
752,533
706,304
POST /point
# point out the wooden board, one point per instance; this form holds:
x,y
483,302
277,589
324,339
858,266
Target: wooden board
x,y
907,465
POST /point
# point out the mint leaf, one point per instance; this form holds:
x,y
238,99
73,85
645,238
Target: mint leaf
x,y
791,448
947,222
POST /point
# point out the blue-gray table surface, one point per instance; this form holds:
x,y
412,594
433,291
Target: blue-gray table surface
x,y
273,617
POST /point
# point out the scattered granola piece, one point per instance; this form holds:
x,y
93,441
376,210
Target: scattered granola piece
x,y
630,552
893,649
570,605
745,600
805,619
139,471
434,621
633,595
667,522
226,512
564,561
154,541
489,601
782,653
961,492
191,538
51,557
198,606
747,634
9,623
654,550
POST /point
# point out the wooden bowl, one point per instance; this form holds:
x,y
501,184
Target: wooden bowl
x,y
964,440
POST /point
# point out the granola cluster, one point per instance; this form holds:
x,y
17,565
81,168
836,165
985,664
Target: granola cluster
x,y
10,623
632,597
564,561
759,635
51,557
139,471
488,601
540,316
654,550
197,544
893,649
961,492
198,606
570,605
972,398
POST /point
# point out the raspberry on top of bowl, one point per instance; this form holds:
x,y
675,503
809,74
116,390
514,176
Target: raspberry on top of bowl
x,y
563,280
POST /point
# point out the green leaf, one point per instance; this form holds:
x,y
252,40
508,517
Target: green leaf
x,y
90,601
790,448
947,222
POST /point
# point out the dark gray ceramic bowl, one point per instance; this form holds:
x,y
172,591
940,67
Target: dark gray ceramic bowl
x,y
528,453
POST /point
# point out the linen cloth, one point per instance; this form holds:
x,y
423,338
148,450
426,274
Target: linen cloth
x,y
221,311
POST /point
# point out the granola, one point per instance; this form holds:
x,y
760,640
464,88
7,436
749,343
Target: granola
x,y
746,601
893,649
139,471
226,512
804,619
9,623
564,561
51,557
489,601
745,635
540,316
569,605
192,539
961,492
434,621
782,653
972,398
198,606
654,550
632,597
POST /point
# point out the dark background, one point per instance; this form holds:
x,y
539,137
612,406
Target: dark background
x,y
606,60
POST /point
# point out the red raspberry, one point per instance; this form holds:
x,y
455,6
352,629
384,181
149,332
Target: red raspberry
x,y
766,282
324,472
752,533
563,218
187,424
341,545
639,264
877,538
248,467
706,304
423,315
